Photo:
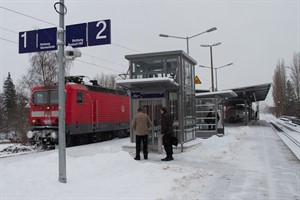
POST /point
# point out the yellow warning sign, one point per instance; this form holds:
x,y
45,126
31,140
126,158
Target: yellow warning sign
x,y
197,80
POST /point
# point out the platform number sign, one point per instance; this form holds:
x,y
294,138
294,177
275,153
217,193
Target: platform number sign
x,y
28,41
88,34
78,35
38,40
99,33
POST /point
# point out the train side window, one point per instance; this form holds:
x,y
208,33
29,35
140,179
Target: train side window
x,y
79,97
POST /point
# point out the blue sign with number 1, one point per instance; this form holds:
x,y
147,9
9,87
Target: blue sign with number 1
x,y
28,41
38,40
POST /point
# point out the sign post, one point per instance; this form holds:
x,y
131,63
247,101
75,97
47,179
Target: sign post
x,y
61,96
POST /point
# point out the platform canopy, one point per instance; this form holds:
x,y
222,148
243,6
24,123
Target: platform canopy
x,y
250,94
148,83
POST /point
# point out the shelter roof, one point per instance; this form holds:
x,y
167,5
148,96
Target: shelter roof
x,y
251,94
220,94
148,83
160,54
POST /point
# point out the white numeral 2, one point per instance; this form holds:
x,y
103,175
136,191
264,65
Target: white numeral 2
x,y
99,36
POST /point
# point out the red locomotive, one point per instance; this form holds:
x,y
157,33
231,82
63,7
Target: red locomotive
x,y
93,113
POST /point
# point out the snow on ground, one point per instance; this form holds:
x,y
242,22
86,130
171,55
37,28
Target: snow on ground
x,y
249,162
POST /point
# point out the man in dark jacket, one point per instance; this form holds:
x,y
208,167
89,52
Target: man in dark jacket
x,y
167,133
140,124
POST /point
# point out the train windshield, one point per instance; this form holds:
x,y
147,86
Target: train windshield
x,y
45,97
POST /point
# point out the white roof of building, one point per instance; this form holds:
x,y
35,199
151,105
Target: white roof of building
x,y
223,94
163,82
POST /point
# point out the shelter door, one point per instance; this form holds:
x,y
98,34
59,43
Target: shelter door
x,y
152,108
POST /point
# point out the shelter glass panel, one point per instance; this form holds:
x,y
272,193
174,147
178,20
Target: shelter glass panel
x,y
206,113
189,116
172,67
173,110
188,73
155,67
173,105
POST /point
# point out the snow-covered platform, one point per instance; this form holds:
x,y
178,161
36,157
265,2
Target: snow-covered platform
x,y
249,162
130,147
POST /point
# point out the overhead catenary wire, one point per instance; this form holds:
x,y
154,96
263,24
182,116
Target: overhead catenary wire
x,y
110,69
29,16
35,18
7,40
8,30
98,65
94,57
105,60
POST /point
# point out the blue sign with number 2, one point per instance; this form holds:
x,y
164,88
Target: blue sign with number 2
x,y
99,33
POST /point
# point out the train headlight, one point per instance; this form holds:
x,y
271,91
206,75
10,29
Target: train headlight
x,y
30,134
54,135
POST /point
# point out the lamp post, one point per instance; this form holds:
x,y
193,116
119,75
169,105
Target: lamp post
x,y
211,62
216,69
187,38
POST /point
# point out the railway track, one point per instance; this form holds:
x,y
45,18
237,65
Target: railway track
x,y
294,140
288,132
17,150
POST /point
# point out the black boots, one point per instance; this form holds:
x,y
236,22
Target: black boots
x,y
168,158
139,158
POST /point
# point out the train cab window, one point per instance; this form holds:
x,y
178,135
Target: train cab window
x,y
40,97
80,97
54,97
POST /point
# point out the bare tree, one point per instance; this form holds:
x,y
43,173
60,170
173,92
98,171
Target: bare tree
x,y
295,74
43,70
295,77
289,106
108,81
1,112
279,85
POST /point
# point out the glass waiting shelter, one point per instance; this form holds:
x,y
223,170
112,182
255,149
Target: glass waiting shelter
x,y
210,113
163,79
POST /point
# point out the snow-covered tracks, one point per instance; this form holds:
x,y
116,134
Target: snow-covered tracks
x,y
10,150
289,133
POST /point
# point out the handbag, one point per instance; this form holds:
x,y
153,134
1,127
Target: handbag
x,y
174,141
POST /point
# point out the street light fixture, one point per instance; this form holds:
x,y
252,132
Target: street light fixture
x,y
216,70
211,61
187,38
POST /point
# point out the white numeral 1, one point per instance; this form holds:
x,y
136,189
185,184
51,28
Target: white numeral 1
x,y
24,36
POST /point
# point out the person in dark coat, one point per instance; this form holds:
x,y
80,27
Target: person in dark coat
x,y
141,124
167,133
211,121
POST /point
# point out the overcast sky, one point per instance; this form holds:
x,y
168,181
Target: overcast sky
x,y
254,35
